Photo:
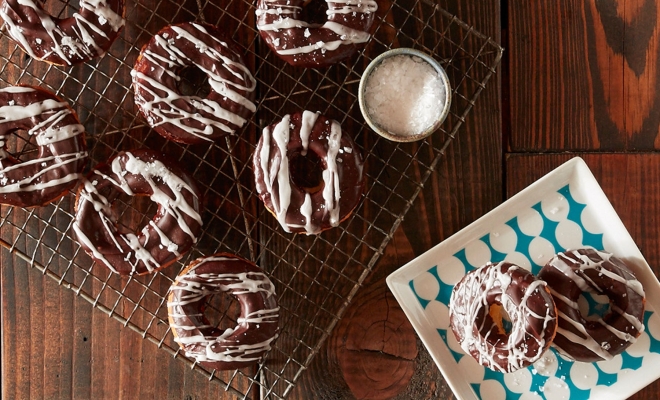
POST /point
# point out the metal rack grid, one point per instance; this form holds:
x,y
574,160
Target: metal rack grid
x,y
316,277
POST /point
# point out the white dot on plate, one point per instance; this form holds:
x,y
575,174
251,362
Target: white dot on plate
x,y
451,270
492,390
477,253
611,366
472,370
519,381
591,221
556,389
653,326
578,194
641,346
519,259
453,343
569,234
584,375
438,314
503,239
541,250
555,207
546,365
530,222
426,286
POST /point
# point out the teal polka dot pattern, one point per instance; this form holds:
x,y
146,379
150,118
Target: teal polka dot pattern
x,y
550,226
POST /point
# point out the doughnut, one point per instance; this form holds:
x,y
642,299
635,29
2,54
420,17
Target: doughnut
x,y
307,173
190,118
476,310
304,44
257,325
164,239
581,338
87,34
53,125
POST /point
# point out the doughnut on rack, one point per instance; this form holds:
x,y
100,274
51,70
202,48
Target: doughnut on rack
x,y
317,276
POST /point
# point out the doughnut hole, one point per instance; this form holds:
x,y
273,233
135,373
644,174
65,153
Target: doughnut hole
x,y
221,311
21,146
494,323
593,306
314,12
60,9
307,171
500,318
133,212
193,82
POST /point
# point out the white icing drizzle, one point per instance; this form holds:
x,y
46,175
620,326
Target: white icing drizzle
x,y
308,120
194,287
339,12
75,44
466,306
563,262
48,128
331,192
279,170
281,202
161,104
177,207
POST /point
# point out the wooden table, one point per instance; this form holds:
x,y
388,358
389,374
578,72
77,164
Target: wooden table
x,y
578,78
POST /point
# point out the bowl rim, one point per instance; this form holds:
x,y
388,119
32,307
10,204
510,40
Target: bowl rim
x,y
443,78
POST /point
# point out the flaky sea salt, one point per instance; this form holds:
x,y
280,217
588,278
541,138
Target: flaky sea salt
x,y
404,95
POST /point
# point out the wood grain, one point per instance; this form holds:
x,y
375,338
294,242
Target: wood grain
x,y
584,75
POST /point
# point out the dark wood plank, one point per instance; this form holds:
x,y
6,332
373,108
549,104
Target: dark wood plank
x,y
584,75
631,183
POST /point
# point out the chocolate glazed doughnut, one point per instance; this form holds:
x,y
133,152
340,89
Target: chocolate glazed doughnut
x,y
257,327
193,119
170,234
311,45
89,33
61,158
475,314
314,204
569,274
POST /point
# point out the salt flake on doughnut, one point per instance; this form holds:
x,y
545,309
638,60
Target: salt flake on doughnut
x,y
190,118
87,34
164,239
315,45
308,173
256,328
54,126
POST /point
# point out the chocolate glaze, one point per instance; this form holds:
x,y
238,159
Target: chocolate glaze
x,y
54,126
170,234
257,326
525,299
570,273
89,33
308,210
193,119
310,45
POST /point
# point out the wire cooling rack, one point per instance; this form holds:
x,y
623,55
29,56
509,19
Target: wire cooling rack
x,y
316,277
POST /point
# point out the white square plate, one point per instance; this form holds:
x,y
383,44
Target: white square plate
x,y
566,209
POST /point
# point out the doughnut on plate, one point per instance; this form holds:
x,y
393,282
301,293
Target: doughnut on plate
x,y
566,209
